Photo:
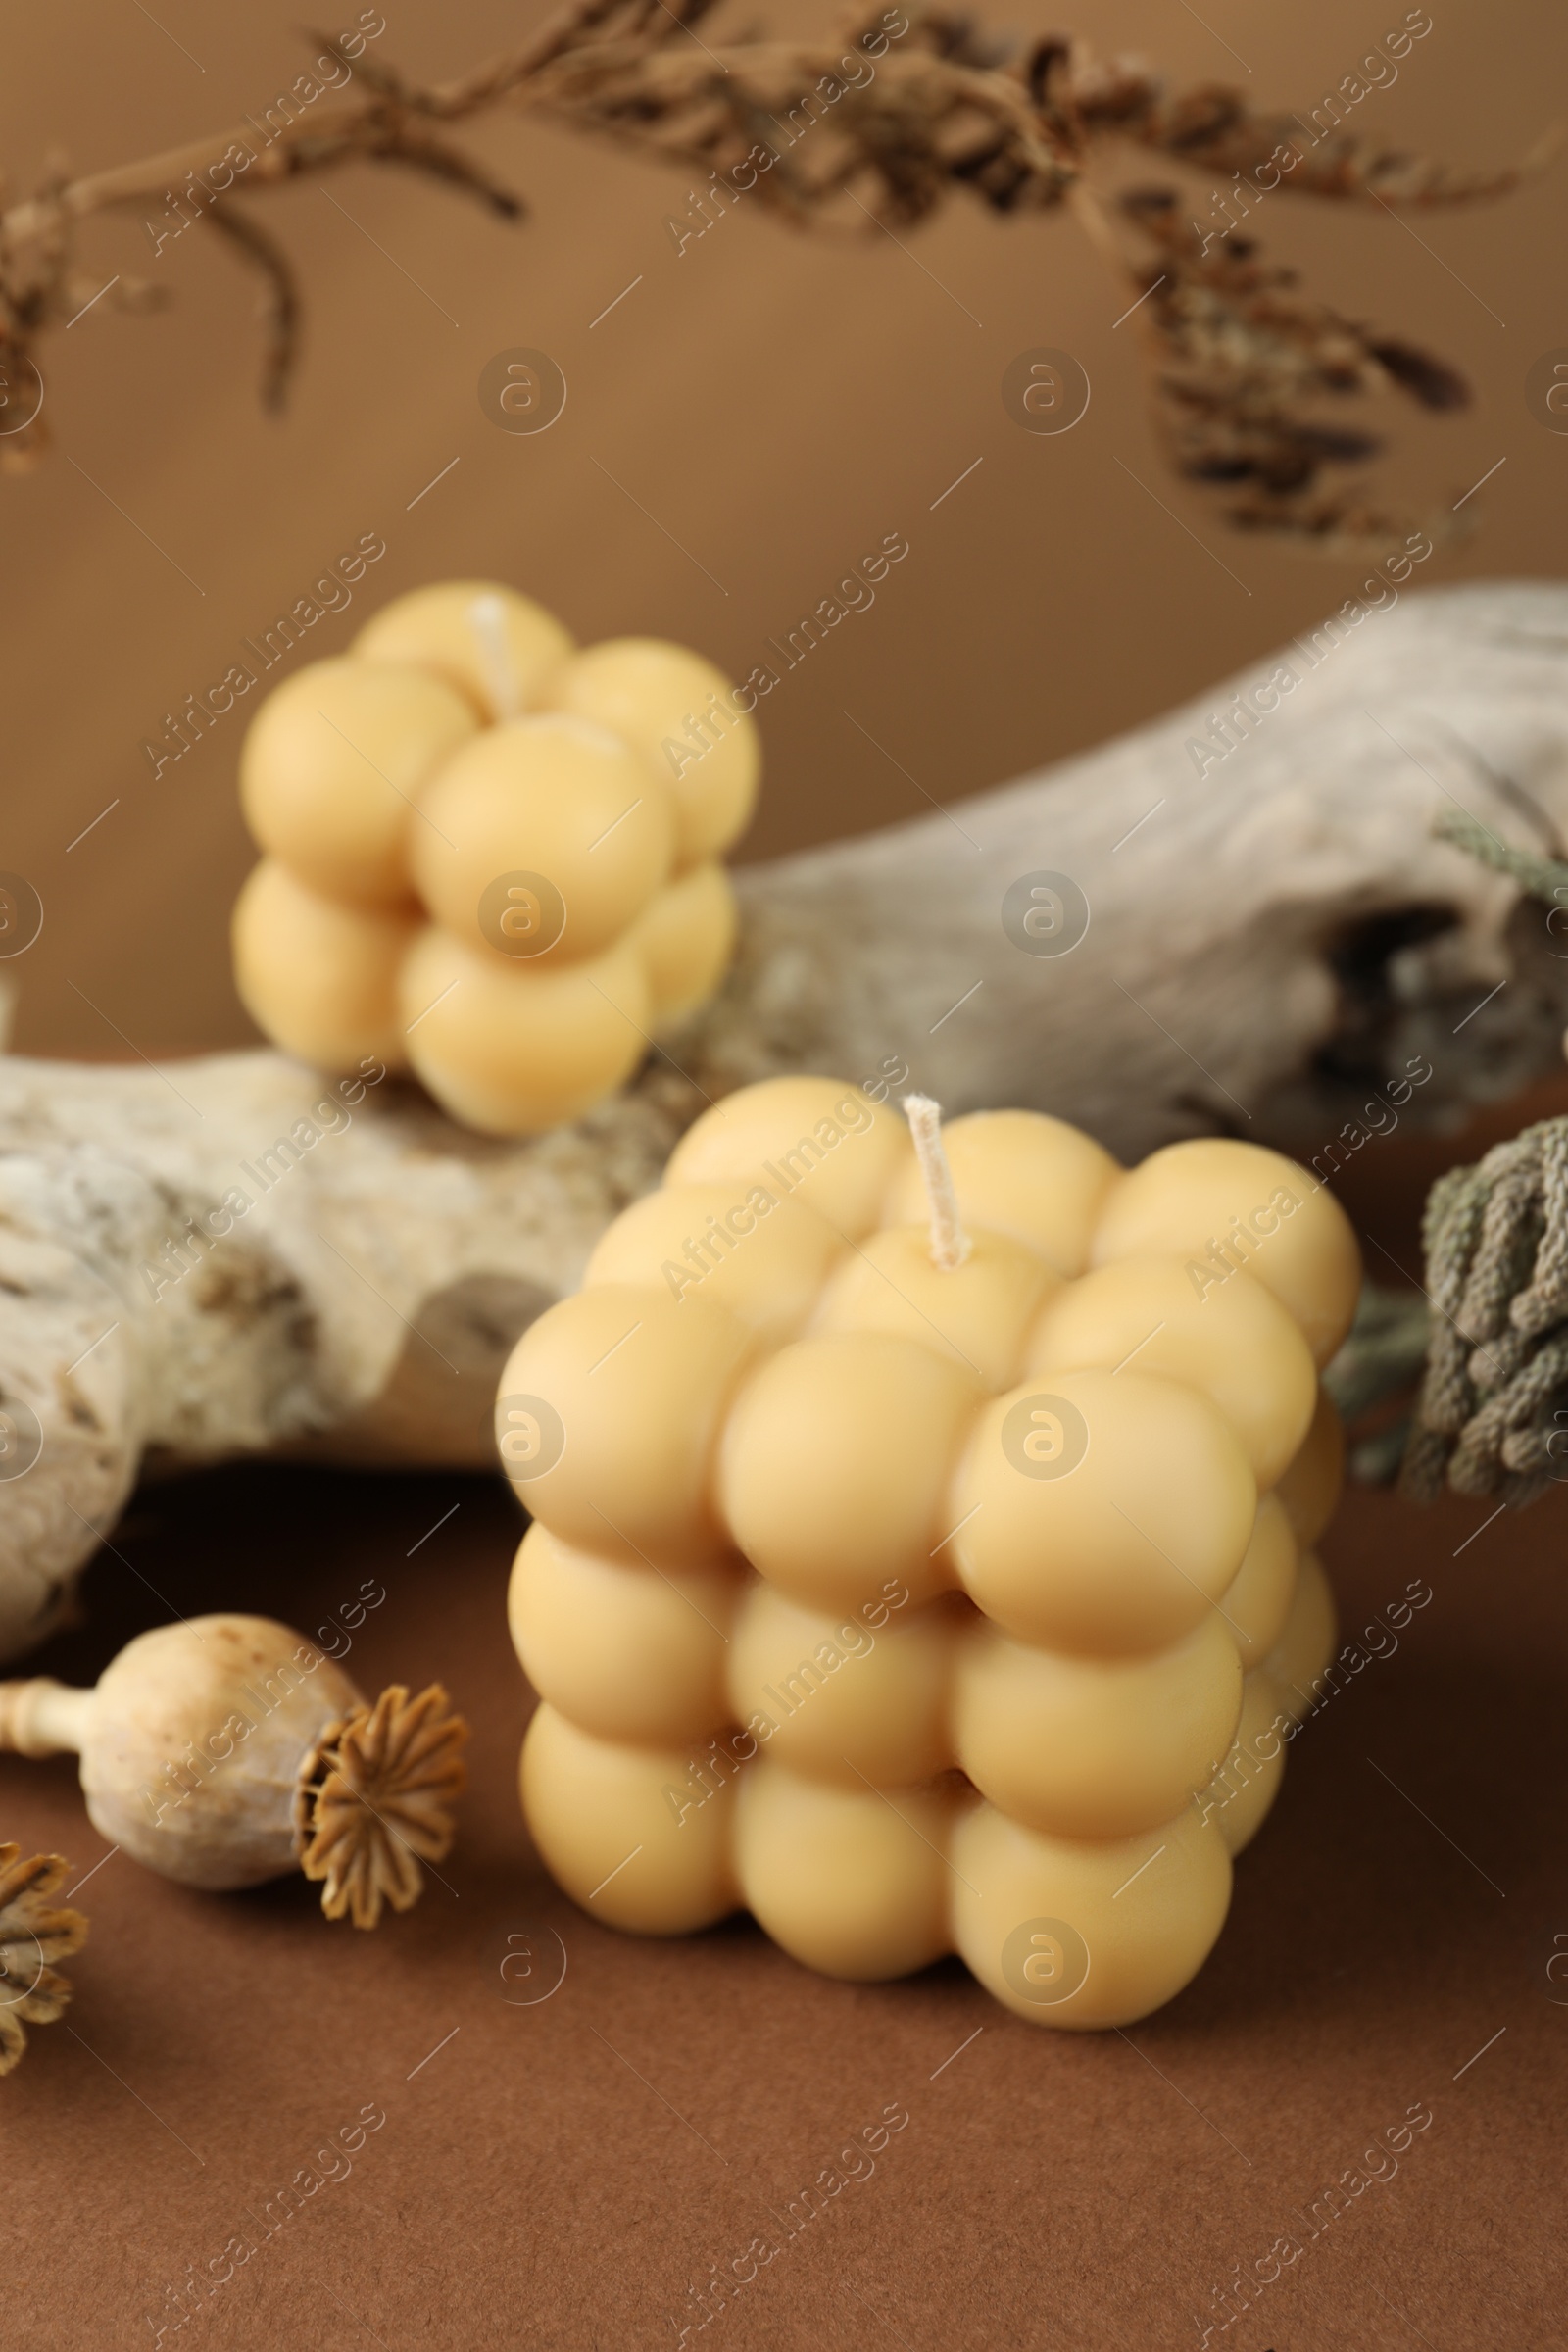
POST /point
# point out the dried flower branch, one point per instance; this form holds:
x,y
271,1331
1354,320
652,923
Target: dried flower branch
x,y
1242,359
280,299
942,107
1543,877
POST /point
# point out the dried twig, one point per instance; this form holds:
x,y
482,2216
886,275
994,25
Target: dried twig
x,y
280,299
1544,879
1244,360
907,107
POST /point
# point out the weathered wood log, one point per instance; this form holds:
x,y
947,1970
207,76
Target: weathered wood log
x,y
1234,918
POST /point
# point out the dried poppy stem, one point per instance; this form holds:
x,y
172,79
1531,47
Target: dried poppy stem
x,y
226,1750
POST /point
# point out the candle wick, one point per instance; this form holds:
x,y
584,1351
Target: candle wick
x,y
489,616
950,1244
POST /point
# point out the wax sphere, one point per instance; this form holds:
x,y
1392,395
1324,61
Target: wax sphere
x,y
977,1313
552,797
333,765
686,937
1238,1798
843,1697
842,1879
464,1012
623,1651
1077,1933
835,1463
1309,1486
1307,1644
321,978
1015,1172
498,649
1102,1513
603,1818
816,1136
764,1259
1220,1206
1255,1604
634,1388
1236,1342
650,693
1094,1747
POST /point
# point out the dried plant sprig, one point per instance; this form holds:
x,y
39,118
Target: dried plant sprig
x,y
1543,877
280,297
1216,129
947,108
1384,1354
1244,365
33,1935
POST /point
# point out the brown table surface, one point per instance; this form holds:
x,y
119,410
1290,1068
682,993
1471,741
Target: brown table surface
x,y
568,2171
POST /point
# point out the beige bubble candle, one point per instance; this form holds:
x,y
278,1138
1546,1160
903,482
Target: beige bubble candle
x,y
920,1546
490,855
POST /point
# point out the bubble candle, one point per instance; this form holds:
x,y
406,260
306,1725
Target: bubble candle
x,y
919,1540
480,860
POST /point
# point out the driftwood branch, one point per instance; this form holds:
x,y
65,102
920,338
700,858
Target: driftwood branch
x,y
909,106
1269,940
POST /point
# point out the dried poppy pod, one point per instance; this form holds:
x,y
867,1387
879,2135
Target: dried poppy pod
x,y
32,1936
225,1751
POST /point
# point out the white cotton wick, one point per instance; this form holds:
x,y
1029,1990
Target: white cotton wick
x,y
950,1244
489,617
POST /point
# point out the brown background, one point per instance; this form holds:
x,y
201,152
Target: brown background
x,y
776,404
560,2173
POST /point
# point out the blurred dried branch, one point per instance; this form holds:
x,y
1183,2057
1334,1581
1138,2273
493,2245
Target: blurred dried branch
x,y
942,105
1242,360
